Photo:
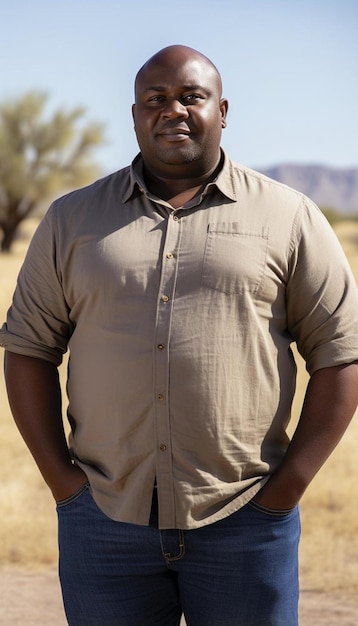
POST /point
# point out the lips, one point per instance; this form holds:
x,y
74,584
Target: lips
x,y
174,134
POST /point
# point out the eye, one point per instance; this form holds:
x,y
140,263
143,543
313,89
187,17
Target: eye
x,y
192,97
156,98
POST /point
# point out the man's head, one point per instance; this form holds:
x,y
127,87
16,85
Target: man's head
x,y
179,113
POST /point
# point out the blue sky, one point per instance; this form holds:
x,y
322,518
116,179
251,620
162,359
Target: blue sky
x,y
289,68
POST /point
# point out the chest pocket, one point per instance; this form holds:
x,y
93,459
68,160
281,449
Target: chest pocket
x,y
234,259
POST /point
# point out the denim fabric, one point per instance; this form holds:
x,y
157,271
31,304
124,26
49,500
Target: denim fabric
x,y
240,571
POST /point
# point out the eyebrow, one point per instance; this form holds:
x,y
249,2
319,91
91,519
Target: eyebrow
x,y
185,87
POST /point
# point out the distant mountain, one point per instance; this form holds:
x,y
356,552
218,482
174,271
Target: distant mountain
x,y
329,187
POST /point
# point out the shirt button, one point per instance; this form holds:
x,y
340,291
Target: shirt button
x,y
160,346
164,298
163,447
160,396
175,218
170,255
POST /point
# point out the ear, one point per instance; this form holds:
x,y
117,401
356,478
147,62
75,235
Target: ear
x,y
133,113
224,105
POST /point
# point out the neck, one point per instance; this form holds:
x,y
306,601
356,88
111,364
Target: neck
x,y
167,188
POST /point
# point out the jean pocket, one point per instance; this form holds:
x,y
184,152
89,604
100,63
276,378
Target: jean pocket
x,y
62,503
268,511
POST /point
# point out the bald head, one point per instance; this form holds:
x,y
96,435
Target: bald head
x,y
180,55
179,114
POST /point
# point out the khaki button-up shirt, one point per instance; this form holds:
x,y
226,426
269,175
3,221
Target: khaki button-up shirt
x,y
179,325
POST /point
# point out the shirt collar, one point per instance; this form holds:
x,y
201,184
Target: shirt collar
x,y
225,181
135,178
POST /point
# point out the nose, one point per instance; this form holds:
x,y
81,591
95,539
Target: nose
x,y
174,108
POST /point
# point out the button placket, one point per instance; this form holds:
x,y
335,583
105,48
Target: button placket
x,y
161,368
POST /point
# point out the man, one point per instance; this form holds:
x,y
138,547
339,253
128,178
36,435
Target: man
x,y
178,285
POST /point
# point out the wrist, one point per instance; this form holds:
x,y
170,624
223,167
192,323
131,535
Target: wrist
x,y
67,482
280,493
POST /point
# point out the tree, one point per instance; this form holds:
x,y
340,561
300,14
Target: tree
x,y
40,156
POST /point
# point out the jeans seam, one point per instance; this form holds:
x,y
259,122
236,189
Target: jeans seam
x,y
168,558
73,497
268,511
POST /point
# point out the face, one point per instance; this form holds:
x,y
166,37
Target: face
x,y
179,114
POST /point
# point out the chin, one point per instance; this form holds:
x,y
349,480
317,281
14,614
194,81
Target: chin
x,y
179,156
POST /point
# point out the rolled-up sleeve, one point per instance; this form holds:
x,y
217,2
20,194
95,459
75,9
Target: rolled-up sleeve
x,y
322,299
38,323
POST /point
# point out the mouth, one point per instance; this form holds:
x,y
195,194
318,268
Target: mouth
x,y
175,134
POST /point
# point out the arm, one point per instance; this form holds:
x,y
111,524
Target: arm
x,y
330,402
35,401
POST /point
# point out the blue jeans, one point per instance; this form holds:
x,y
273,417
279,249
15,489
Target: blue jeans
x,y
240,571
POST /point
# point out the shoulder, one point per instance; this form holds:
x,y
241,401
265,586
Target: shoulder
x,y
254,179
84,210
270,198
106,188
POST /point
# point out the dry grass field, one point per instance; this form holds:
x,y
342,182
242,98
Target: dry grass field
x,y
329,547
